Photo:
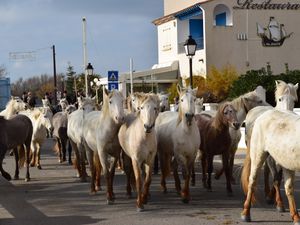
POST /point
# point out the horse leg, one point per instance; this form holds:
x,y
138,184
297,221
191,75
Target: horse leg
x,y
82,158
98,169
164,166
3,149
176,176
209,171
16,154
33,155
59,145
138,180
127,166
193,176
38,156
63,149
204,169
77,161
226,166
231,165
185,194
147,182
27,158
70,152
256,164
268,195
289,180
90,158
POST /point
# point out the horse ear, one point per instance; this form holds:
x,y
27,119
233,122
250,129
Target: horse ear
x,y
296,86
279,82
105,91
201,100
178,89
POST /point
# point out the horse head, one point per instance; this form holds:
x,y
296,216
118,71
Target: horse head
x,y
45,102
113,105
149,111
70,109
285,95
187,103
164,102
227,115
16,104
87,104
63,103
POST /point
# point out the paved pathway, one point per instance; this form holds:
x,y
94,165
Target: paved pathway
x,y
55,196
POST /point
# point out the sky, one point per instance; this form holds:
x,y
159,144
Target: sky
x,y
117,30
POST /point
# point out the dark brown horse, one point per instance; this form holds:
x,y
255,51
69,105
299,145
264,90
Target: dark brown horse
x,y
14,132
215,140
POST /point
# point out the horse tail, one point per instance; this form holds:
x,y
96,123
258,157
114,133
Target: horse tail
x,y
246,173
55,147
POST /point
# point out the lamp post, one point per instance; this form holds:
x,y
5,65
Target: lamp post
x,y
88,72
190,46
95,84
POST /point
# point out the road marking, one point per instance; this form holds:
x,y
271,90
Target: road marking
x,y
4,214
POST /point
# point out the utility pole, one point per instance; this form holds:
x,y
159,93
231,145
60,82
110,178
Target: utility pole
x,y
54,75
85,56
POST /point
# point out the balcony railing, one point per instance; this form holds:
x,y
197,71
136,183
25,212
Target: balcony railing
x,y
199,41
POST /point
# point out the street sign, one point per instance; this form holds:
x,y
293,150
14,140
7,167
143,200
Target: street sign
x,y
113,80
112,86
113,76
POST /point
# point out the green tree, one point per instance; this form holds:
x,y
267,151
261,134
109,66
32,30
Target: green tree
x,y
71,76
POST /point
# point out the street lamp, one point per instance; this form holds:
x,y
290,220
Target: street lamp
x,y
190,46
88,72
95,84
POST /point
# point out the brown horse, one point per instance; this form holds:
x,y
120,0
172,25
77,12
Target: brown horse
x,y
14,132
215,140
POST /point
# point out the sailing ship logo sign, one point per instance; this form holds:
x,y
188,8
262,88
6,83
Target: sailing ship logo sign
x,y
274,34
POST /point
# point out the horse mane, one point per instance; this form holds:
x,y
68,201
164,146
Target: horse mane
x,y
282,87
180,113
106,98
217,120
238,103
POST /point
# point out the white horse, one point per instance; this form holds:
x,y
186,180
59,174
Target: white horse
x,y
275,133
64,104
199,105
41,123
14,105
60,124
178,136
100,132
285,95
138,140
75,133
164,102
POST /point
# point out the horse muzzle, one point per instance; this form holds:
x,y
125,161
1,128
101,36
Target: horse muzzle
x,y
189,118
236,125
148,128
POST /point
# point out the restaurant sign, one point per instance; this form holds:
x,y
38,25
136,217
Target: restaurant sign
x,y
265,5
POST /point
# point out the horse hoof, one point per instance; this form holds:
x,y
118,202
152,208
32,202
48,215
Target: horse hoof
x,y
280,209
109,202
140,209
27,179
246,218
39,167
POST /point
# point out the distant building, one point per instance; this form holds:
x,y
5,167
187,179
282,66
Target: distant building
x,y
247,34
5,92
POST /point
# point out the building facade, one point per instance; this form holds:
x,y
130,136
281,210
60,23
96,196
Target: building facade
x,y
247,34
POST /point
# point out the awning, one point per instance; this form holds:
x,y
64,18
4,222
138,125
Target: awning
x,y
161,73
187,13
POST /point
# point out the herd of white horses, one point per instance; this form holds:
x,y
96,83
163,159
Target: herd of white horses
x,y
134,130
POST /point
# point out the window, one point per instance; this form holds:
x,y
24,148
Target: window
x,y
196,31
221,19
222,15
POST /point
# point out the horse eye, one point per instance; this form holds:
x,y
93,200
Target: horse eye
x,y
280,99
181,100
109,102
142,108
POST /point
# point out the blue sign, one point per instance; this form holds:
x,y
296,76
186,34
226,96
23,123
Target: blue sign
x,y
112,86
113,76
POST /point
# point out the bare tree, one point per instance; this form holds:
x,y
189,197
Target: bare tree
x,y
3,71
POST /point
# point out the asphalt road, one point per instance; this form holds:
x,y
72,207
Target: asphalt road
x,y
56,196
